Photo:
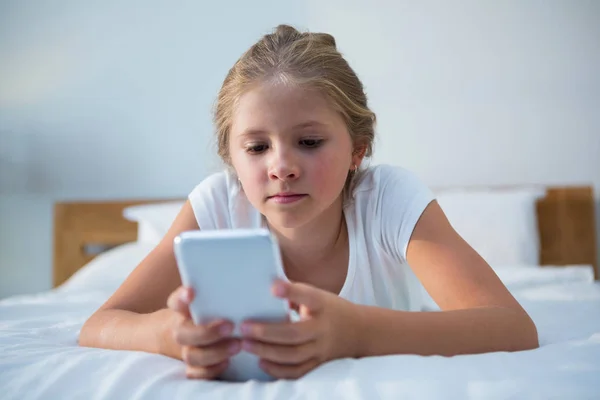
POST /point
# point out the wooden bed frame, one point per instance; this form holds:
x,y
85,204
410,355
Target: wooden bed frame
x,y
83,229
566,222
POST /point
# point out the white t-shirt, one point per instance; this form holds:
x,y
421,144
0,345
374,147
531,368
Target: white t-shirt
x,y
387,203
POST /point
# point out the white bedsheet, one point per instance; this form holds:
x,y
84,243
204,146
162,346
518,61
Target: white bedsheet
x,y
39,357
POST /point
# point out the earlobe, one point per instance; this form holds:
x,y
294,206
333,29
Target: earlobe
x,y
357,156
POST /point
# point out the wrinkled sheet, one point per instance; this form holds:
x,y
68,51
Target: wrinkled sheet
x,y
40,359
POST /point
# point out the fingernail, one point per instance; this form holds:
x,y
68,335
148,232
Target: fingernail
x,y
226,329
234,348
185,296
279,289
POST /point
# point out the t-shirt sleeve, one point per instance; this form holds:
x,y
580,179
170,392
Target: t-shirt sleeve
x,y
402,198
210,202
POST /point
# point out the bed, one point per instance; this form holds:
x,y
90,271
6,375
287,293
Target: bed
x,y
544,251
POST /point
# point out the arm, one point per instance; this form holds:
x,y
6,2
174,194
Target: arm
x,y
135,317
119,329
478,313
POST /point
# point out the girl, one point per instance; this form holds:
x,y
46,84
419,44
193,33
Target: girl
x,y
294,127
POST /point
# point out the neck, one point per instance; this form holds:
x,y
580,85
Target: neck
x,y
314,242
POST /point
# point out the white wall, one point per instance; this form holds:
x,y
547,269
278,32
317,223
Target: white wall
x,y
479,91
112,99
108,99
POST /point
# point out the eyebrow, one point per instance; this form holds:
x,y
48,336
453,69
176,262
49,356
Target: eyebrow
x,y
303,125
309,124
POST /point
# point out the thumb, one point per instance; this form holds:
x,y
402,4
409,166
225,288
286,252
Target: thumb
x,y
307,296
180,300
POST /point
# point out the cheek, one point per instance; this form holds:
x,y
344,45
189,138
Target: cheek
x,y
328,174
251,174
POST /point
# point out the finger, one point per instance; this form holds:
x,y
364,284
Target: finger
x,y
300,293
282,354
210,355
189,334
210,372
282,371
293,306
288,333
180,300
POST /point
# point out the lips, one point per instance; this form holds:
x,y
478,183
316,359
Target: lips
x,y
287,198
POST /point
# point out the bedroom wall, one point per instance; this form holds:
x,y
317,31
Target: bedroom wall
x,y
106,99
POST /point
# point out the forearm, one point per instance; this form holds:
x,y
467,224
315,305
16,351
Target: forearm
x,y
446,333
126,330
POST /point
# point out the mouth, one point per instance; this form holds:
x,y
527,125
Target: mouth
x,y
286,198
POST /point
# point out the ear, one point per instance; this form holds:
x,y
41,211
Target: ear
x,y
358,154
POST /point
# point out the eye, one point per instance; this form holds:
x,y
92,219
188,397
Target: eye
x,y
256,148
311,143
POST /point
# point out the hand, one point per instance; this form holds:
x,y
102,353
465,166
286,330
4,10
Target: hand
x,y
328,329
205,349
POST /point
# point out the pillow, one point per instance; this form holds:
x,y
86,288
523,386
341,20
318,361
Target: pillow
x,y
521,277
500,224
107,270
154,220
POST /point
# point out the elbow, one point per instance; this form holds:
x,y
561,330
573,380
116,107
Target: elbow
x,y
532,337
84,338
90,332
528,338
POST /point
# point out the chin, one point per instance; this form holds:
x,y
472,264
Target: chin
x,y
287,220
285,223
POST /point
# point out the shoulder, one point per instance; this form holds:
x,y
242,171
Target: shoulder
x,y
210,199
393,198
385,178
220,203
387,189
216,182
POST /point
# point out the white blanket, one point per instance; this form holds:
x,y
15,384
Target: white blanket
x,y
40,359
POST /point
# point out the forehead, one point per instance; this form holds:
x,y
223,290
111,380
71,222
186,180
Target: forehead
x,y
280,107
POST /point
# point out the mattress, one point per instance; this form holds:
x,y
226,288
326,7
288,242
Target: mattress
x,y
40,358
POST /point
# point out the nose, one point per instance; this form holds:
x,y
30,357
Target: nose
x,y
283,166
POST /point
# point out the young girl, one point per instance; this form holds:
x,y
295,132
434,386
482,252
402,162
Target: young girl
x,y
294,127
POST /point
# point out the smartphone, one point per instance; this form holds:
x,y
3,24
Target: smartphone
x,y
232,273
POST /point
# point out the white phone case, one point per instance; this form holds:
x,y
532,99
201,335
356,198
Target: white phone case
x,y
232,272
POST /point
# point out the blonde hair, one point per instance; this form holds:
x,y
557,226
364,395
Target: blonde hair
x,y
298,58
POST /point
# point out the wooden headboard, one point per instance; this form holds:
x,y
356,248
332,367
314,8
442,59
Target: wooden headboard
x,y
83,229
567,227
566,221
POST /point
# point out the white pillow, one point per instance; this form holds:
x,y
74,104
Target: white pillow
x,y
521,277
154,220
107,270
500,224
